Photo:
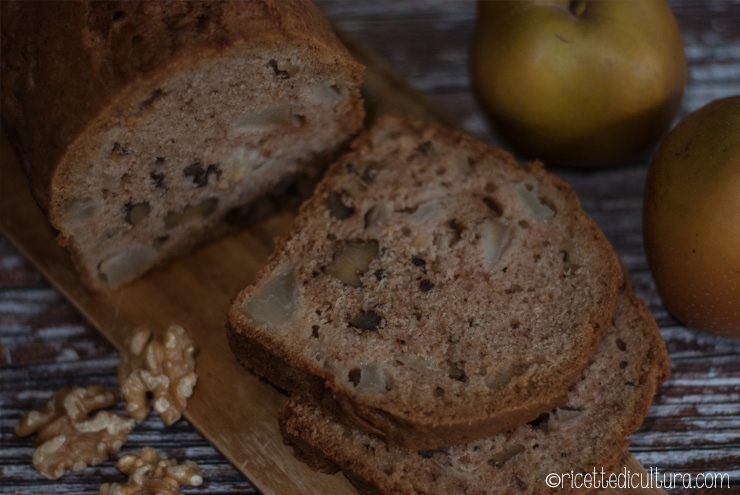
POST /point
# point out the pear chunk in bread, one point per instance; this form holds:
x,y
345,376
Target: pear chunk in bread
x,y
432,291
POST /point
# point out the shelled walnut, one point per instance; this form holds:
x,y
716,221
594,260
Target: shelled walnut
x,y
150,474
162,365
68,438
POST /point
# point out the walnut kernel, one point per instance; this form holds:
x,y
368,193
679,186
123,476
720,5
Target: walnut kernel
x,y
67,437
150,474
163,365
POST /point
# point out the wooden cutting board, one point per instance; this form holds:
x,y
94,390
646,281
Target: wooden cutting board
x,y
233,409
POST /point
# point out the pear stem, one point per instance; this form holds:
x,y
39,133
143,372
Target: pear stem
x,y
577,7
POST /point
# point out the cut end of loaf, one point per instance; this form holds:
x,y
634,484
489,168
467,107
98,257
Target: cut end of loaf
x,y
170,159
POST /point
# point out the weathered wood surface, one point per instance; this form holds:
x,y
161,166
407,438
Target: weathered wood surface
x,y
694,425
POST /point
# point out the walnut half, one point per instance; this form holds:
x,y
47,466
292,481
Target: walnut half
x,y
67,437
162,365
150,474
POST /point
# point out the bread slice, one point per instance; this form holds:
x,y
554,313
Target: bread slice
x,y
144,124
432,291
589,432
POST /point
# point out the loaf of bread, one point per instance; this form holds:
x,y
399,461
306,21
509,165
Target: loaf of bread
x,y
431,291
589,432
144,124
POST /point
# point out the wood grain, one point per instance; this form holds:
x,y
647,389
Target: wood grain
x,y
694,425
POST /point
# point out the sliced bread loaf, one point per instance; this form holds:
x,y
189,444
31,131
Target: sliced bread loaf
x,y
143,124
589,432
433,290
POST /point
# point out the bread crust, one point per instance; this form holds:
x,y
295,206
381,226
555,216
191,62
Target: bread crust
x,y
589,432
428,297
97,66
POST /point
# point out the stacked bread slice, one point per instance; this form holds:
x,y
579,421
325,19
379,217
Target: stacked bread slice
x,y
586,434
445,318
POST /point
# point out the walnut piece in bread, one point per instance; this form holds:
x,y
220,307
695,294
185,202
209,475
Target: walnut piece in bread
x,y
160,365
590,431
431,291
169,117
151,474
68,437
